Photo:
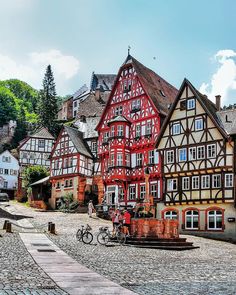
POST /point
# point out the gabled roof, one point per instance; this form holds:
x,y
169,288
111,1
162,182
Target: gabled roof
x,y
42,133
207,105
7,152
104,82
160,92
118,119
77,138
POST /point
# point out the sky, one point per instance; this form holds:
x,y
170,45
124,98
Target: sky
x,y
175,38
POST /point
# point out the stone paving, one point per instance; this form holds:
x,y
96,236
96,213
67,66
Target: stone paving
x,y
208,270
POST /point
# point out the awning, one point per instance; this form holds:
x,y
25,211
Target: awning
x,y
43,180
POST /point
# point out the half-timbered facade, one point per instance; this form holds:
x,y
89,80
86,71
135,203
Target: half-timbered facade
x,y
34,150
128,129
71,166
197,155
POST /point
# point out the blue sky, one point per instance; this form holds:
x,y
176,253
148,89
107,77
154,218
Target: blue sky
x,y
193,39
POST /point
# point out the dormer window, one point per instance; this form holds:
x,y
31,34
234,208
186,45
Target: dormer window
x,y
191,104
136,105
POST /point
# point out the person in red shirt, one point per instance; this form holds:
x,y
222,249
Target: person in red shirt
x,y
127,222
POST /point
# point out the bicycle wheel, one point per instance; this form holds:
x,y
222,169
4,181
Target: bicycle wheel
x,y
103,238
79,235
87,237
121,238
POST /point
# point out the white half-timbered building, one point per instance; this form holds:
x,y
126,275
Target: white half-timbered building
x,y
71,165
9,169
197,152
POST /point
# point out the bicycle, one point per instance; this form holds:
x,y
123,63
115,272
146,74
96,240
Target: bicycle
x,y
105,235
83,234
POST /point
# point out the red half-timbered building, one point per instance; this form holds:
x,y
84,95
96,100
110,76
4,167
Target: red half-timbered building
x,y
71,166
128,129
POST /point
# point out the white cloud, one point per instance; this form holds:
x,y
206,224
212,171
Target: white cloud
x,y
32,71
223,82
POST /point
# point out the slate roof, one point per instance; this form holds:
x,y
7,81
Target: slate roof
x,y
77,138
104,82
91,106
228,120
159,90
42,133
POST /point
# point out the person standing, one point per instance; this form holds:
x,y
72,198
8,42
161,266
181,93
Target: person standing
x,y
127,222
90,208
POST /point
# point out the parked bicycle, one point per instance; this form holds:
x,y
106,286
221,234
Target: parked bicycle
x,y
106,236
83,234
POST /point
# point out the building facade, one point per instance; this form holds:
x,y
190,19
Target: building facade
x,y
71,166
128,129
197,151
66,111
9,169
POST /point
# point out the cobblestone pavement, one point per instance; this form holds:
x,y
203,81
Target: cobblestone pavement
x,y
208,270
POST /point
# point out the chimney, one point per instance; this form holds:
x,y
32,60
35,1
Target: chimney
x,y
97,94
218,97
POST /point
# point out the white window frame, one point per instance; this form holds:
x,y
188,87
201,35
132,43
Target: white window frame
x,y
142,191
216,180
229,179
171,214
139,159
199,124
112,160
202,147
119,157
211,150
105,136
191,104
154,189
120,130
192,154
195,182
205,181
176,129
192,215
170,157
41,143
149,128
132,192
127,160
172,184
138,130
215,215
181,154
151,157
136,104
112,131
185,183
93,146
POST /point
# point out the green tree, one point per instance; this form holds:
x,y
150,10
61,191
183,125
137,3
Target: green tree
x,y
7,106
21,129
33,174
48,107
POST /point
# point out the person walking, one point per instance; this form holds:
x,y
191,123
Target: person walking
x,y
90,208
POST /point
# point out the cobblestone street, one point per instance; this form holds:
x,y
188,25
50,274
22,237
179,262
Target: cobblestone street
x,y
207,270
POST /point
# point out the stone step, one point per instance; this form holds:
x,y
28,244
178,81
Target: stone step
x,y
169,247
159,243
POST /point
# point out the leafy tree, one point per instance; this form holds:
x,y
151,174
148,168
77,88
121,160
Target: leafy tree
x,y
48,107
7,106
21,129
33,174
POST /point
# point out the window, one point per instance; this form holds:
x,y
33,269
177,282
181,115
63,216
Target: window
x,y
41,143
195,182
205,181
71,183
127,85
162,93
138,130
172,184
229,180
191,104
70,162
153,190
120,130
200,152
66,183
216,180
75,104
169,157
214,220
171,215
176,128
182,155
142,191
56,164
118,111
119,159
24,155
74,113
1,171
192,153
150,157
136,105
127,160
113,131
139,159
5,184
149,128
6,159
198,124
185,183
105,137
121,194
191,219
66,163
211,151
132,192
112,160
6,171
58,185
94,147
